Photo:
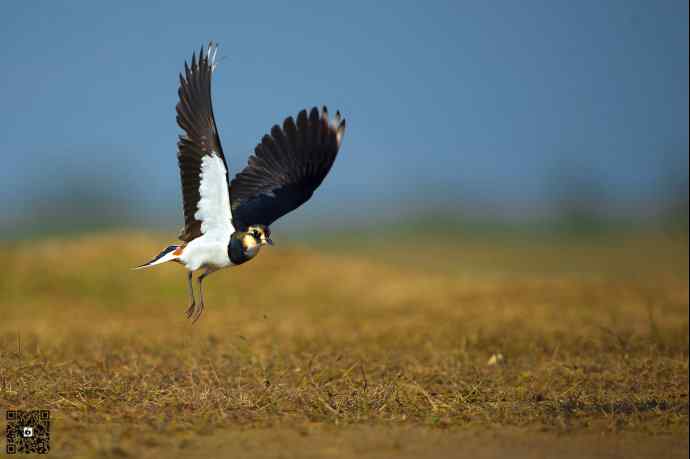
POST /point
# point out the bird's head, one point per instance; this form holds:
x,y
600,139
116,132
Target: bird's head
x,y
261,234
245,245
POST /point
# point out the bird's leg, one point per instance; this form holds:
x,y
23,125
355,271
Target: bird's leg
x,y
200,306
192,306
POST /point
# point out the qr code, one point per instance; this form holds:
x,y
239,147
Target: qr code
x,y
28,432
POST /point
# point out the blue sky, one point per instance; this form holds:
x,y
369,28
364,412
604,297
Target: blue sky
x,y
488,102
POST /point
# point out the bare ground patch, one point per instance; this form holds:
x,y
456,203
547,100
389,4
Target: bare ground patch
x,y
352,355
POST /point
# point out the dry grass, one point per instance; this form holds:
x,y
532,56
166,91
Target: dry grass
x,y
349,353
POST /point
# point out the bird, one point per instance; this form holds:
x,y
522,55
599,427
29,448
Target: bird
x,y
227,223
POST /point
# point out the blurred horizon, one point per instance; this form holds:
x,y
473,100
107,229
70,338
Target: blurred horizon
x,y
461,112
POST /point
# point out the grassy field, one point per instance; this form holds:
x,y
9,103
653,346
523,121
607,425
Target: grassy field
x,y
414,348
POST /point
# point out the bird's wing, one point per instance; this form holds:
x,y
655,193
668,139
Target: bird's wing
x,y
205,194
286,167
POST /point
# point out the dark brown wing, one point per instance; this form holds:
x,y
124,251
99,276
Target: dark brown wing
x,y
286,167
195,116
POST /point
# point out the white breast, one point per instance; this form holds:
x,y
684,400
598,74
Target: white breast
x,y
204,252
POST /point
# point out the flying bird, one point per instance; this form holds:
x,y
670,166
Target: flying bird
x,y
227,224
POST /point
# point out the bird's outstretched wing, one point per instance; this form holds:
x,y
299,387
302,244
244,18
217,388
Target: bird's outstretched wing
x,y
202,165
286,167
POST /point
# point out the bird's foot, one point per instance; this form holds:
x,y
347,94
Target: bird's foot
x,y
194,311
190,310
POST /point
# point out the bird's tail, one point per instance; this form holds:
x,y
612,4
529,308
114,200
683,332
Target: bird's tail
x,y
170,253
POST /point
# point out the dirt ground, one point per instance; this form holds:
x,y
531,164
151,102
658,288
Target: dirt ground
x,y
482,349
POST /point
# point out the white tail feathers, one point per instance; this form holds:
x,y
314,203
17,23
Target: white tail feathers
x,y
168,254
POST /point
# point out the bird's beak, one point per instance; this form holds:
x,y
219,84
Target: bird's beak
x,y
269,241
